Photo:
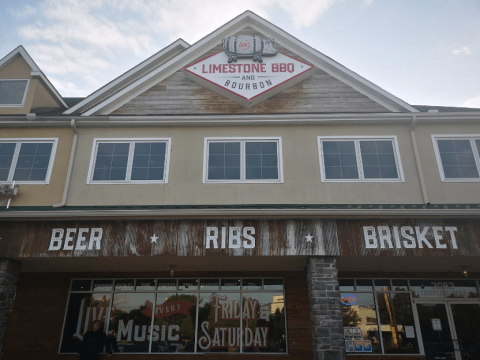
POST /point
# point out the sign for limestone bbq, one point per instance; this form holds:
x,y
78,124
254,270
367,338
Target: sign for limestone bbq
x,y
248,70
264,237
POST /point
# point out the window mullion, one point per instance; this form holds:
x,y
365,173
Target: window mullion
x,y
13,166
131,149
243,161
359,159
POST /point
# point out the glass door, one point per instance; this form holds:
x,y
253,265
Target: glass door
x,y
435,330
450,330
466,319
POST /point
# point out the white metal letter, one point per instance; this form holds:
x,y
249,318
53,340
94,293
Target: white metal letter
x,y
95,237
249,241
370,236
437,234
210,237
56,240
234,238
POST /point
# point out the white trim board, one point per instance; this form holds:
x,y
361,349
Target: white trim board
x,y
250,19
438,158
131,141
358,154
53,141
22,104
242,140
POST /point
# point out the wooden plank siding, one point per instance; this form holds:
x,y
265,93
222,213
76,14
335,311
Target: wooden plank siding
x,y
321,93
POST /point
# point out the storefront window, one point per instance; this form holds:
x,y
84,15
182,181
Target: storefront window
x,y
397,324
360,322
82,310
160,315
379,317
131,321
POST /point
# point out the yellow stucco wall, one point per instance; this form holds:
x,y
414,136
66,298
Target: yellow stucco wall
x,y
445,192
302,182
49,194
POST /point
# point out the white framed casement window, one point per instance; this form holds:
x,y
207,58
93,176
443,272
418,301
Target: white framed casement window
x,y
129,161
458,157
359,159
13,92
243,160
27,161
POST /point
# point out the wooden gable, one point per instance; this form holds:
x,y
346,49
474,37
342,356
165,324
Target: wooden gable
x,y
319,93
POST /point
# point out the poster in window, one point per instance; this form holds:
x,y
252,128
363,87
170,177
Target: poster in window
x,y
175,321
349,347
83,309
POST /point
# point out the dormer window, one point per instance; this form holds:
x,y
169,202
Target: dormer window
x,y
13,92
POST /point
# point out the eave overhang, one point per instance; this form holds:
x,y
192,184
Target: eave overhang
x,y
242,211
16,121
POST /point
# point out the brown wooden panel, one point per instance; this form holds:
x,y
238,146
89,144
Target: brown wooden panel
x,y
319,93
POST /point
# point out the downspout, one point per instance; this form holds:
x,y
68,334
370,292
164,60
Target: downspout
x,y
70,165
417,161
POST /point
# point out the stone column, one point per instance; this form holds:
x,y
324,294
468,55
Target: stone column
x,y
9,276
325,311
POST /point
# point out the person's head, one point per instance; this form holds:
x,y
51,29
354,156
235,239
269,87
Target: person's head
x,y
96,325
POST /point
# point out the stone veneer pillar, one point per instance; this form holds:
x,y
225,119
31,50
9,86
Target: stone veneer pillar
x,y
9,276
325,311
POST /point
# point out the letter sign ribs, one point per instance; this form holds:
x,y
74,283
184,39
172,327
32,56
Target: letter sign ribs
x,y
248,80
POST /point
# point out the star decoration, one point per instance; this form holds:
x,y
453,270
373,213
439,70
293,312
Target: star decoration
x,y
309,237
154,238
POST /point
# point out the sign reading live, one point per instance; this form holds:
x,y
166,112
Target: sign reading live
x,y
248,67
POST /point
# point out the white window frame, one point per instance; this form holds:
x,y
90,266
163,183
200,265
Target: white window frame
x,y
472,139
358,155
130,141
13,165
242,141
24,95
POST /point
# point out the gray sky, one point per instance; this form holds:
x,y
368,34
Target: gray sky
x,y
423,51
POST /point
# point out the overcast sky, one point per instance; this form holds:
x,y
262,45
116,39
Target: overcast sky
x,y
422,51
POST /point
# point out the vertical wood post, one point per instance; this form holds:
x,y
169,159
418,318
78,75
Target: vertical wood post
x,y
325,312
9,276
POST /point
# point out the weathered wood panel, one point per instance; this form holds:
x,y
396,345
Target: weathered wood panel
x,y
170,237
409,237
321,93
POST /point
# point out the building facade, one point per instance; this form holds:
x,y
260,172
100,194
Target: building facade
x,y
243,196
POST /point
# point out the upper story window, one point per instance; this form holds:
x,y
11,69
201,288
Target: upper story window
x,y
359,159
457,157
243,160
27,160
12,92
141,161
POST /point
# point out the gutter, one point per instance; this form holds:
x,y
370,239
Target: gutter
x,y
240,120
246,213
417,161
73,151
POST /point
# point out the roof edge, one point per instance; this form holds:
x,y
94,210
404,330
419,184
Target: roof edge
x,y
104,89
